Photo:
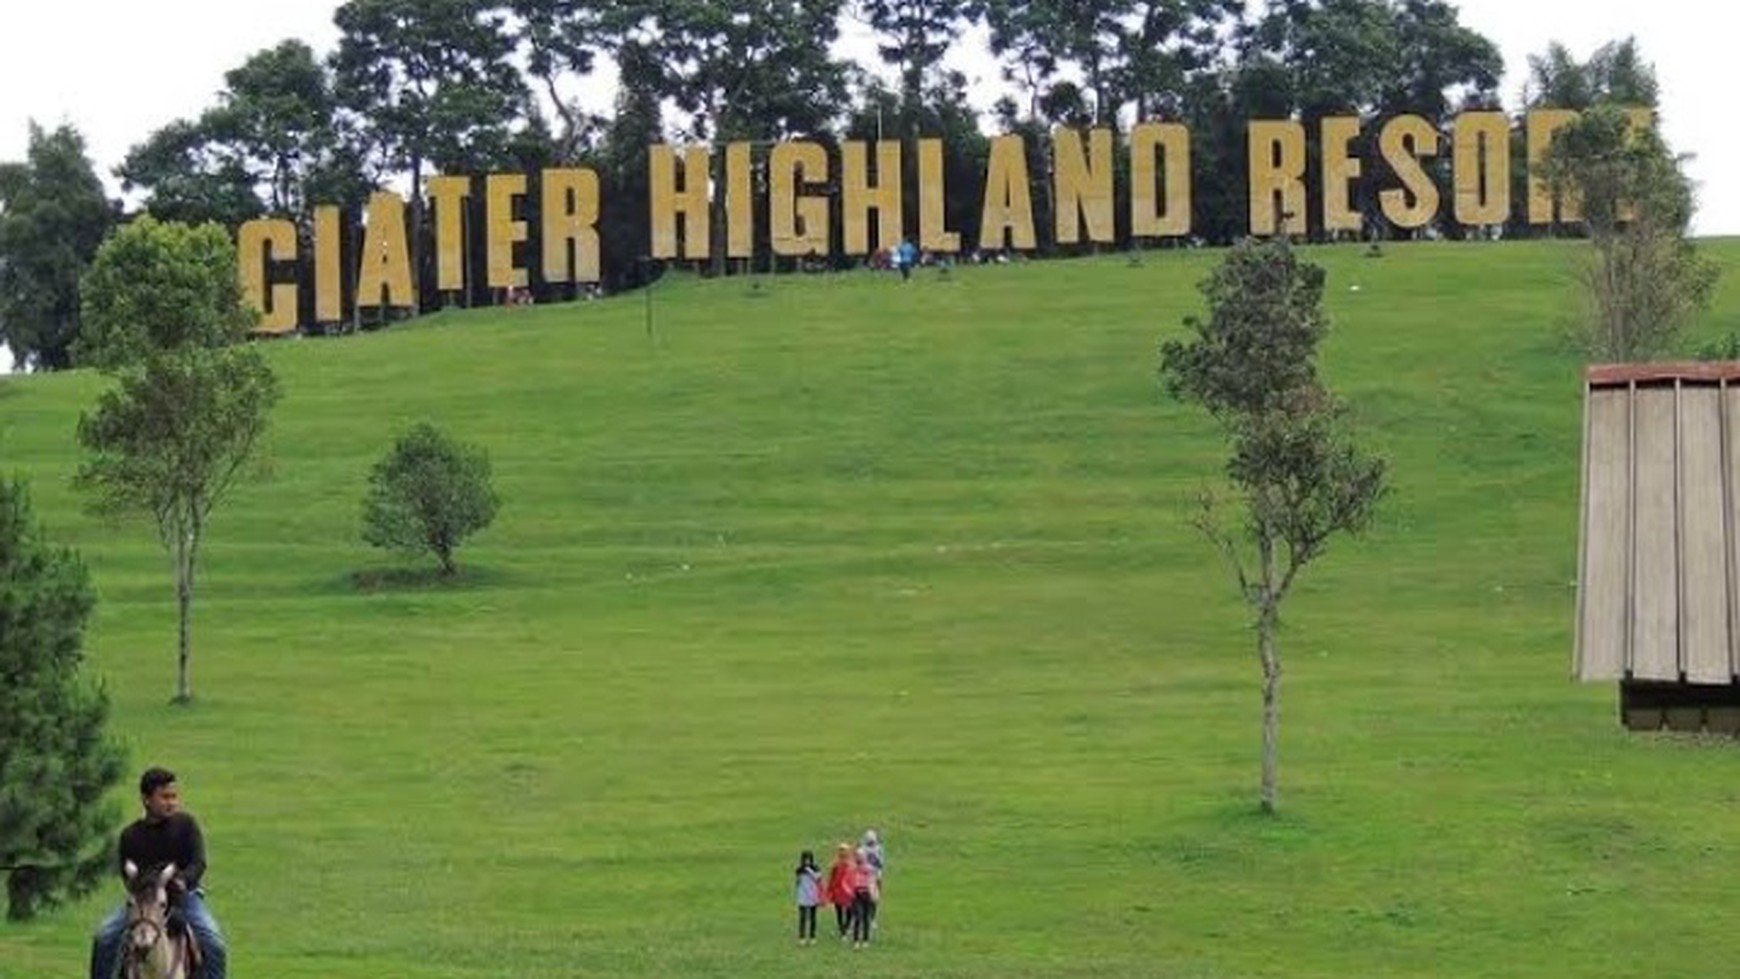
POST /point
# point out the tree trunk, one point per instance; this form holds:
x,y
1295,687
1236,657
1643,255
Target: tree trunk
x,y
1268,618
415,234
184,551
1271,705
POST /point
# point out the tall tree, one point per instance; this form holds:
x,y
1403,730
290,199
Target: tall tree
x,y
273,143
1078,32
748,69
915,35
1165,44
175,433
277,112
1642,279
1442,65
1126,52
1340,55
186,176
560,42
57,762
1218,107
1616,72
1025,55
1299,477
624,172
744,70
430,83
53,215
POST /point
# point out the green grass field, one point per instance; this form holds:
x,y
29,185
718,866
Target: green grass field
x,y
833,552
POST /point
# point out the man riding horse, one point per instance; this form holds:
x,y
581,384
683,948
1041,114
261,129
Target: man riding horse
x,y
164,841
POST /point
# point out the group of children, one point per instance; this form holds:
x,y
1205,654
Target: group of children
x,y
853,885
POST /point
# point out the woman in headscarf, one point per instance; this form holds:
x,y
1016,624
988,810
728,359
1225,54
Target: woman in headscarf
x,y
864,898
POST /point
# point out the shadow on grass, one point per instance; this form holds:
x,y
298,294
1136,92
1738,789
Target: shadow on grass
x,y
1237,822
401,579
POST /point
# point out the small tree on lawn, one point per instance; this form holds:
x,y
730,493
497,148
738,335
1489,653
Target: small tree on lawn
x,y
1298,477
175,434
429,494
56,761
1641,279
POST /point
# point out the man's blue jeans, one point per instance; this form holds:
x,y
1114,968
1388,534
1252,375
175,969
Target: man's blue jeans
x,y
106,944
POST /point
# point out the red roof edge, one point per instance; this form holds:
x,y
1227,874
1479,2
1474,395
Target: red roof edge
x,y
1602,375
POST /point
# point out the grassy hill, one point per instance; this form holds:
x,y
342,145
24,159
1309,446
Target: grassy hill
x,y
828,552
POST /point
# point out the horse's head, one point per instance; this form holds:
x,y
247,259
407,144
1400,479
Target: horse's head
x,y
147,906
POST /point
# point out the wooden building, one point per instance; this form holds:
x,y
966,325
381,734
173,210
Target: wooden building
x,y
1658,599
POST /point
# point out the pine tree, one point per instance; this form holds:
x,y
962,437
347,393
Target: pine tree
x,y
56,762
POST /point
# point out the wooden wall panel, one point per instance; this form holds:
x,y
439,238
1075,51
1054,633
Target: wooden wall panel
x,y
1704,620
1655,635
1604,599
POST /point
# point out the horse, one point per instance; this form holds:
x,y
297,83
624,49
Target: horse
x,y
149,949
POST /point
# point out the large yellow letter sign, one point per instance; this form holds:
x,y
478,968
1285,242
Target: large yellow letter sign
x,y
1277,155
259,243
1008,215
385,279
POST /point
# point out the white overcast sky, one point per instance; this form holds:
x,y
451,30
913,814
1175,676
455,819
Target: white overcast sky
x,y
118,69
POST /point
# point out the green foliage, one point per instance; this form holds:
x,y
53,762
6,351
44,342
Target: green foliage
x,y
188,178
916,34
1615,74
1126,52
1725,347
1375,56
53,215
428,495
174,433
561,40
274,144
431,82
1253,365
1259,343
157,287
56,758
276,115
623,168
1642,279
750,69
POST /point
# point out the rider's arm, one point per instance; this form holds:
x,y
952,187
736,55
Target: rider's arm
x,y
123,847
191,868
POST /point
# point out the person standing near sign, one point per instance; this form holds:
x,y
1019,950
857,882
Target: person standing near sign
x,y
905,257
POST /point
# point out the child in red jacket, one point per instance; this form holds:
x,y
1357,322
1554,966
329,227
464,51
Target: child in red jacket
x,y
841,880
